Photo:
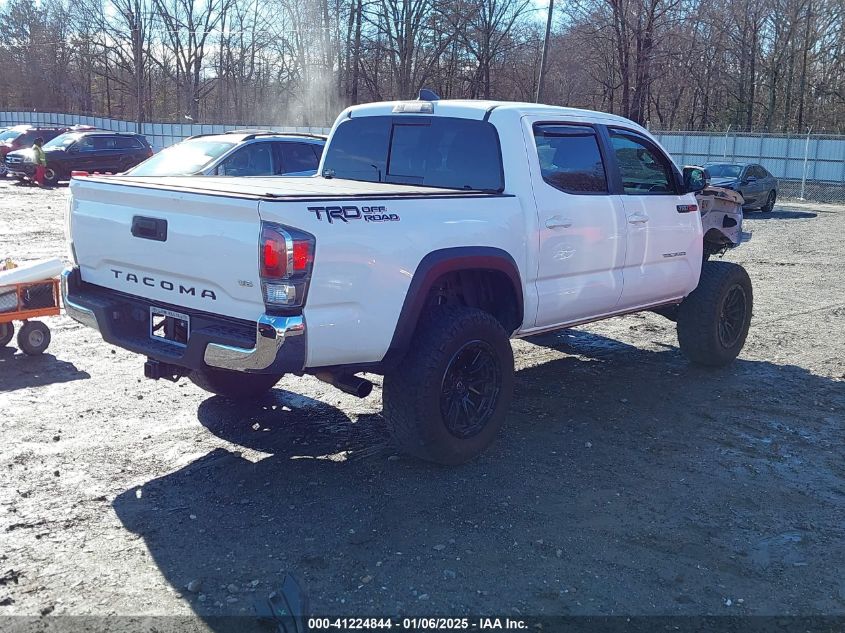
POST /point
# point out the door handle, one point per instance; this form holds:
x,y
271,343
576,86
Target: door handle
x,y
638,218
557,222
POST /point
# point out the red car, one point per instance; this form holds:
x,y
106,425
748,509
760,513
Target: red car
x,y
21,137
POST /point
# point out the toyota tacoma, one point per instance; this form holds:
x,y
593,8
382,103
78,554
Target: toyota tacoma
x,y
434,232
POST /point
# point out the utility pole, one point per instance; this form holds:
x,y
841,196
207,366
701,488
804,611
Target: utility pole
x,y
541,77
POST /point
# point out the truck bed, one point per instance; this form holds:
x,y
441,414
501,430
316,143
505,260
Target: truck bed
x,y
282,188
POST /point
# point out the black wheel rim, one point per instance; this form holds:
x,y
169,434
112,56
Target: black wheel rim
x,y
470,389
732,318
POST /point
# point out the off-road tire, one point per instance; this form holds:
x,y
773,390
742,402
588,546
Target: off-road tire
x,y
770,203
33,338
7,332
416,390
723,297
235,385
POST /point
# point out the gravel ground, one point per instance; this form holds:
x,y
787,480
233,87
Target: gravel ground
x,y
626,481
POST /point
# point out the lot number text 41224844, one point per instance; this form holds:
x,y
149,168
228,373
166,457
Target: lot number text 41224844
x,y
413,624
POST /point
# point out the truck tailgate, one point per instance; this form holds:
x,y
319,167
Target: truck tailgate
x,y
174,247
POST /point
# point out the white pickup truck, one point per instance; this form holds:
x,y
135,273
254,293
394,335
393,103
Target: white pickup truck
x,y
434,232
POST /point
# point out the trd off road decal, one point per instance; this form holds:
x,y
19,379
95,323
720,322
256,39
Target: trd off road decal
x,y
351,213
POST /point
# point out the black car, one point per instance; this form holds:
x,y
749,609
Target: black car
x,y
21,137
756,185
90,150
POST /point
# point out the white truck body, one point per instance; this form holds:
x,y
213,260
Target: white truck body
x,y
578,257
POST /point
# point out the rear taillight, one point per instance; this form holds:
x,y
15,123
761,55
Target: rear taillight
x,y
287,256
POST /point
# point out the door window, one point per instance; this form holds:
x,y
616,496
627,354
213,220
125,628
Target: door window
x,y
570,159
85,144
757,171
103,143
644,169
253,160
297,157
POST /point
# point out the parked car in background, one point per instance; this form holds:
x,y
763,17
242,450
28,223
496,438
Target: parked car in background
x,y
238,153
90,151
23,136
753,182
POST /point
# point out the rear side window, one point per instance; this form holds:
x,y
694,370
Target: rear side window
x,y
431,151
570,158
644,169
126,142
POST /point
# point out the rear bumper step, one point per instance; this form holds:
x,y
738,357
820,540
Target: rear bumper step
x,y
273,344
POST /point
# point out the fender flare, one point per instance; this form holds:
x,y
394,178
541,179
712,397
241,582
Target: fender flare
x,y
435,265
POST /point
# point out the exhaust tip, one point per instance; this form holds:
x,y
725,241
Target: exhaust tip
x,y
348,383
364,389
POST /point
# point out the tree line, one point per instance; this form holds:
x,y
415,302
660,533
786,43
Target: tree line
x,y
762,65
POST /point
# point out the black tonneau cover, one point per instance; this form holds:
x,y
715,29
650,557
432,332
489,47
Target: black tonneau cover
x,y
286,188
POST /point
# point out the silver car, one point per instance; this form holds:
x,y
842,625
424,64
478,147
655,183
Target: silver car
x,y
237,153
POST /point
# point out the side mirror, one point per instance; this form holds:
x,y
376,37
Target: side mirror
x,y
751,179
695,179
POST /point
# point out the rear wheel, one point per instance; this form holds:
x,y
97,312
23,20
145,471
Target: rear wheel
x,y
7,331
33,338
448,398
713,320
236,385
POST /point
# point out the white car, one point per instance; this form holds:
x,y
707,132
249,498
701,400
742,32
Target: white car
x,y
435,231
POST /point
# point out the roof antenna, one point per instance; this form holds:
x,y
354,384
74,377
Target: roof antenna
x,y
428,95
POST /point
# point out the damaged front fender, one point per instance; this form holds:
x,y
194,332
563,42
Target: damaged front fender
x,y
721,219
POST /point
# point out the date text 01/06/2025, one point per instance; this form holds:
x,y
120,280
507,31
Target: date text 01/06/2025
x,y
413,624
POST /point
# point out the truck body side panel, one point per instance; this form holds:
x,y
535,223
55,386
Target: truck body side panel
x,y
363,266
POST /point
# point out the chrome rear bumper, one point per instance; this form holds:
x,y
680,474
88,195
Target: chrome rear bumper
x,y
215,342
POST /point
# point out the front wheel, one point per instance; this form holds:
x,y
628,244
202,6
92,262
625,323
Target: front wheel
x,y
51,177
236,385
770,203
713,320
448,398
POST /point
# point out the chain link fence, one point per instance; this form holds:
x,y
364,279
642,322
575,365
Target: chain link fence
x,y
808,167
160,135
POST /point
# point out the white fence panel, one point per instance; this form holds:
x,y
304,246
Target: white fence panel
x,y
160,135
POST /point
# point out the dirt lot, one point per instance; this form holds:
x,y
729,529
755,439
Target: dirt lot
x,y
626,481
